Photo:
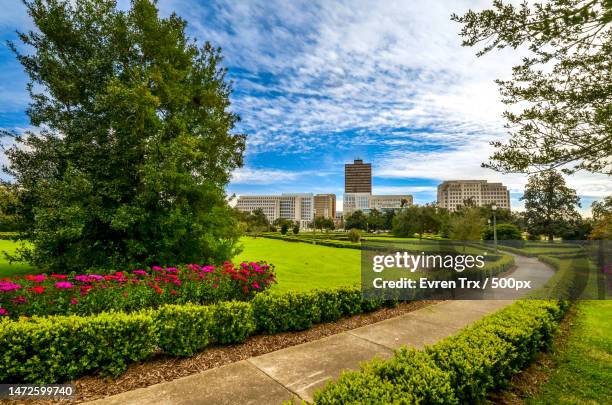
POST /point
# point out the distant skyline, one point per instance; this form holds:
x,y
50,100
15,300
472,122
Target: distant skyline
x,y
320,83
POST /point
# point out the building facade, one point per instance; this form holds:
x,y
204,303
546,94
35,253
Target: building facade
x,y
298,207
366,202
358,177
389,202
355,202
325,205
455,193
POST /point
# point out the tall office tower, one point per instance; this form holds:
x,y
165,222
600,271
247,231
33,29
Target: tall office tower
x,y
452,194
358,177
325,205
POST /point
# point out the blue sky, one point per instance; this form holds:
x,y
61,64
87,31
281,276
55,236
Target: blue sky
x,y
319,83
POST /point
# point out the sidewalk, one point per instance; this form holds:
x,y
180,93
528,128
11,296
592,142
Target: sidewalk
x,y
301,370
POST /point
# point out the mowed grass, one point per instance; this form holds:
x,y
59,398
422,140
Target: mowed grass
x,y
14,269
583,373
302,266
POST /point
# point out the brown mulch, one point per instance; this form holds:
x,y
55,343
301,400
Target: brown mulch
x,y
528,383
164,368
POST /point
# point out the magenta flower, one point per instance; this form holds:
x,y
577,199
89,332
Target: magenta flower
x,y
256,285
172,270
73,301
3,312
64,284
156,268
84,278
6,286
96,277
208,269
140,272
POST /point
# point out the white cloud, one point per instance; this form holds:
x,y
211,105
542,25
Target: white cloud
x,y
402,189
263,176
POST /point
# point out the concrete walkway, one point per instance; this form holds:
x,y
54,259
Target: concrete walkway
x,y
301,370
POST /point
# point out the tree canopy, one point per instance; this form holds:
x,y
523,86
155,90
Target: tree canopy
x,y
550,205
564,85
135,144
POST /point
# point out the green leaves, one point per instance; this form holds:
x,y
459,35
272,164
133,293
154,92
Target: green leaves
x,y
136,149
459,369
549,204
563,87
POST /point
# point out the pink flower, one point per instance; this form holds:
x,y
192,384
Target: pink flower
x,y
156,268
19,300
208,269
172,270
3,312
64,284
257,286
96,277
140,272
73,301
83,278
38,278
8,286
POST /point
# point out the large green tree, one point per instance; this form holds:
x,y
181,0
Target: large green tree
x,y
417,219
136,142
564,86
550,205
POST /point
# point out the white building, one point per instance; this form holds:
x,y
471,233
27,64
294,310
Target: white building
x,y
365,201
297,207
389,202
355,202
452,194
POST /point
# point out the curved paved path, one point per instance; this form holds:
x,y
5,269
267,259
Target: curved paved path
x,y
299,371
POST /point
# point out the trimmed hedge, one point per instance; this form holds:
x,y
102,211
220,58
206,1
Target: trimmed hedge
x,y
60,348
293,311
459,369
184,330
569,280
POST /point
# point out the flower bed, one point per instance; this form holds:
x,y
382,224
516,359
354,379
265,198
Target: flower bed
x,y
86,294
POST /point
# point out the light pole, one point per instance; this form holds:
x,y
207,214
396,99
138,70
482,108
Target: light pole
x,y
494,209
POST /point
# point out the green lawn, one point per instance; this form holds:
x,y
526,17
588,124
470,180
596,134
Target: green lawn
x,y
15,269
302,266
584,366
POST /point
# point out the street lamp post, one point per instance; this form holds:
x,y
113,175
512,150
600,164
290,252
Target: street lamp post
x,y
494,209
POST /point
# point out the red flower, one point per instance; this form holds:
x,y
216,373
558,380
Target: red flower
x,y
59,276
173,292
39,289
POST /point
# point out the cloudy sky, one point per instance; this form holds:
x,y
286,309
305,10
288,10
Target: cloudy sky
x,y
319,83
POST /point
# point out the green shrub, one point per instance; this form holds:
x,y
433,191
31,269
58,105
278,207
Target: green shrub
x,y
459,369
410,377
289,311
354,235
476,361
183,330
233,322
61,348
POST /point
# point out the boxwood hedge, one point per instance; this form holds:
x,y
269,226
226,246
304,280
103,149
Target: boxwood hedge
x,y
459,369
59,348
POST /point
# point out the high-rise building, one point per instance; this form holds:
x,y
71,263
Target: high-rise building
x,y
358,177
325,205
297,207
452,194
